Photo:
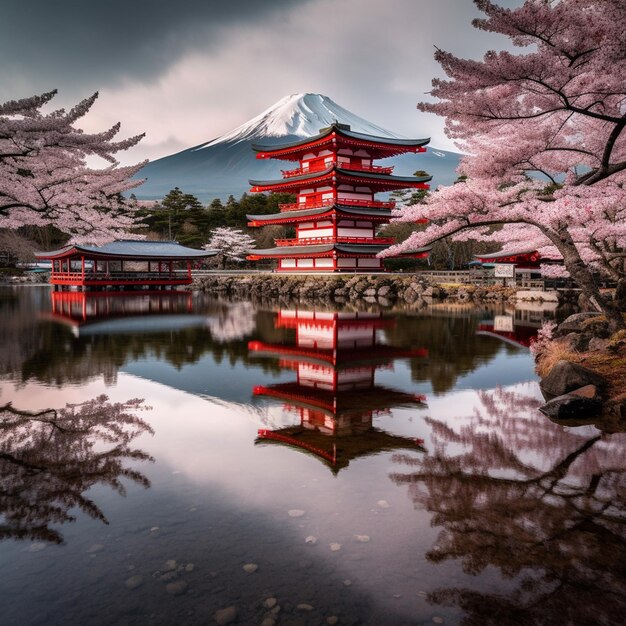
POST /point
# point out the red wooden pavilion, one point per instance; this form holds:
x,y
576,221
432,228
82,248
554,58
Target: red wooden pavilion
x,y
122,264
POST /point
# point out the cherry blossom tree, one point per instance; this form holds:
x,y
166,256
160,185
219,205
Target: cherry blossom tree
x,y
233,244
558,112
44,177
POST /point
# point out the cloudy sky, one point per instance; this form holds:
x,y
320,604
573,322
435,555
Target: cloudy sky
x,y
187,71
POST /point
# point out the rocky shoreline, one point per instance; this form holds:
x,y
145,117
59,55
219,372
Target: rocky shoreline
x,y
583,373
371,289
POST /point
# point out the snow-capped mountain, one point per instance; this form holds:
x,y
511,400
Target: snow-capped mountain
x,y
222,166
302,115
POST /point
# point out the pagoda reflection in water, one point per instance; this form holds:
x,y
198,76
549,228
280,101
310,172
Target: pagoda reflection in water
x,y
335,396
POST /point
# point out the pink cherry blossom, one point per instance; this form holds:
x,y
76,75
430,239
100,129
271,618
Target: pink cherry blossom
x,y
558,109
44,178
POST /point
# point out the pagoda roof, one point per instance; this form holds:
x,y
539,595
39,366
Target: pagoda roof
x,y
299,214
348,175
139,249
376,397
342,249
320,250
339,358
336,452
389,145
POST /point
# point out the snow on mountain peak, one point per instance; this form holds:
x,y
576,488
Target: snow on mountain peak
x,y
300,114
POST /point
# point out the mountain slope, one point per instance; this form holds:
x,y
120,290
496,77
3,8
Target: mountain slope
x,y
223,165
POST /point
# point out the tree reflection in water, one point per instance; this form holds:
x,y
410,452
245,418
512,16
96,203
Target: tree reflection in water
x,y
49,459
544,505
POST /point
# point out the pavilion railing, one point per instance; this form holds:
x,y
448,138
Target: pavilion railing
x,y
175,275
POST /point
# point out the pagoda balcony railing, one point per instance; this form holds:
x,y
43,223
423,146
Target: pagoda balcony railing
x,y
316,241
318,204
377,169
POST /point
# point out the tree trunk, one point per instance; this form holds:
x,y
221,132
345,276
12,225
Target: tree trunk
x,y
585,279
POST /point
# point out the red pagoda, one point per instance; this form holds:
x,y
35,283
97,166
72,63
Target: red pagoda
x,y
335,396
335,214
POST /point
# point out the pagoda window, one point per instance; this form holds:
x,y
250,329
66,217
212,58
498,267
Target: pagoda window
x,y
369,262
343,160
325,153
366,162
326,263
343,262
309,155
362,153
364,224
365,189
305,263
287,263
346,223
345,151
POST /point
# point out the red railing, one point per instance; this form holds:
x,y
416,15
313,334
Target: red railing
x,y
299,171
318,204
316,241
78,278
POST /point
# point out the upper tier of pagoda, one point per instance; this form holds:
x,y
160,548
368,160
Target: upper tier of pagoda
x,y
337,137
335,174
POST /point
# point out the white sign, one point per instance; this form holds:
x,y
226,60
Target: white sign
x,y
503,324
504,270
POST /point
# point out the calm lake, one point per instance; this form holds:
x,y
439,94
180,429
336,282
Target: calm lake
x,y
302,466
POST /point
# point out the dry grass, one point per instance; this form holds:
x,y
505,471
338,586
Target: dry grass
x,y
610,363
554,352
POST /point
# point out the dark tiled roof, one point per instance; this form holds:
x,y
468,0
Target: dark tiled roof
x,y
350,134
351,210
342,172
136,248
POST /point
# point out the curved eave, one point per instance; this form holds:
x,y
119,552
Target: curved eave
x,y
77,251
503,255
390,146
340,249
339,359
380,180
373,398
304,215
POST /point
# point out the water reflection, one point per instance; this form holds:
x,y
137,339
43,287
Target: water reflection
x,y
49,459
543,505
529,508
335,356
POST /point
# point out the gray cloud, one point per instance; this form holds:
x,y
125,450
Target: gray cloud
x,y
90,43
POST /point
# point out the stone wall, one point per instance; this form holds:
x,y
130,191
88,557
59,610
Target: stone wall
x,y
379,289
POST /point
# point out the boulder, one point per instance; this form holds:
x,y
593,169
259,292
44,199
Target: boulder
x,y
573,406
566,376
597,343
574,323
